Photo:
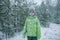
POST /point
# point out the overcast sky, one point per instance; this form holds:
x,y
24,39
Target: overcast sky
x,y
38,1
52,3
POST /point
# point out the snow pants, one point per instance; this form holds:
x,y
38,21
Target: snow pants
x,y
31,38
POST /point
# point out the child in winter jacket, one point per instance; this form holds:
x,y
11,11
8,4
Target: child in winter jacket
x,y
32,26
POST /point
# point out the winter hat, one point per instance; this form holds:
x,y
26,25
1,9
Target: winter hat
x,y
31,9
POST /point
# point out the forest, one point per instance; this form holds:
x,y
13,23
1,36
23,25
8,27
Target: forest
x,y
13,14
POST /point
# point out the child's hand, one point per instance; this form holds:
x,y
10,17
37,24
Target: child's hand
x,y
23,36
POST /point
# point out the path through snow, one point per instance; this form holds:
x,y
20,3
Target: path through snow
x,y
51,33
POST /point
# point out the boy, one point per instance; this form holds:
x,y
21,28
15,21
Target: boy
x,y
32,26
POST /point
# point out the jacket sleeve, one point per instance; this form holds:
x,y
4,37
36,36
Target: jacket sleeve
x,y
38,29
25,28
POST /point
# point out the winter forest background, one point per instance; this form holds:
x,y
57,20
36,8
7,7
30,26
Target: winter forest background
x,y
13,14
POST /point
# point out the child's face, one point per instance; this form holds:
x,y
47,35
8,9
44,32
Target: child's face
x,y
31,14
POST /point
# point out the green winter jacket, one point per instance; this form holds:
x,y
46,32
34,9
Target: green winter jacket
x,y
32,27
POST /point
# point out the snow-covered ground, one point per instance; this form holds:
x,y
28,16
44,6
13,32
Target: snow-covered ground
x,y
51,33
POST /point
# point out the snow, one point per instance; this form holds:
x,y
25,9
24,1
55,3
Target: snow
x,y
51,33
2,36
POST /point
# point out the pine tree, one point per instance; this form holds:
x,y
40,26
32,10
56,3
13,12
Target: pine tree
x,y
43,15
58,12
